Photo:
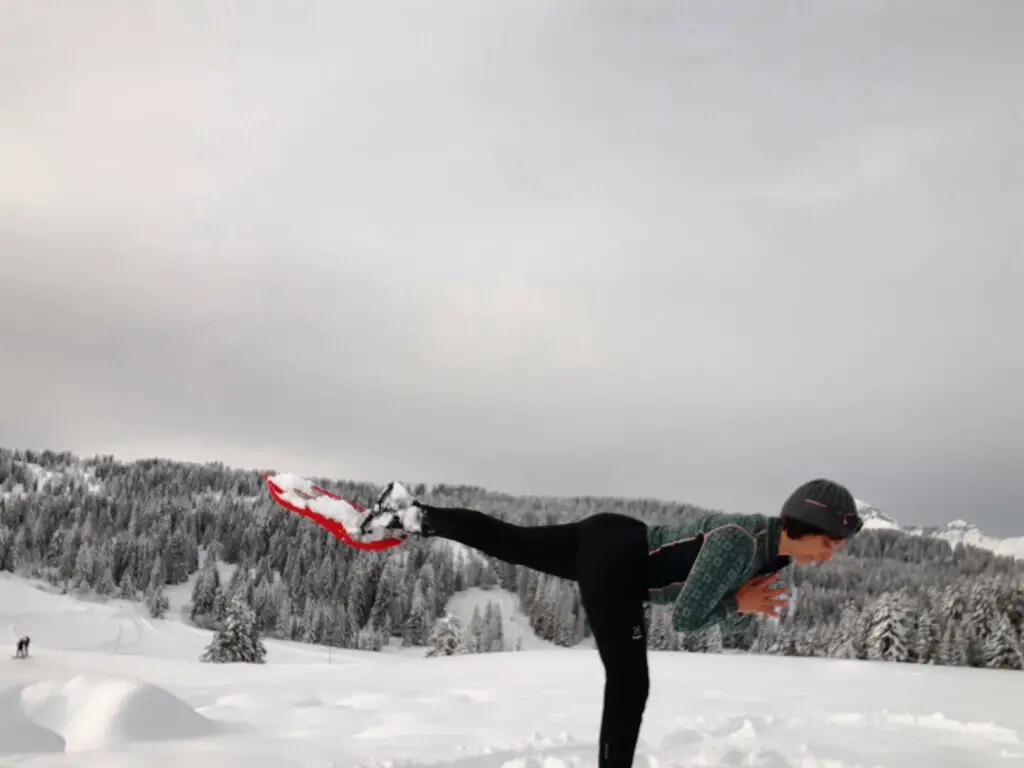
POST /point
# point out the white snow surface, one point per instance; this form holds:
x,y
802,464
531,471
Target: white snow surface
x,y
106,686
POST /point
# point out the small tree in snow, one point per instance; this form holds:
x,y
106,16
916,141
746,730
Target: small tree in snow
x,y
237,639
446,637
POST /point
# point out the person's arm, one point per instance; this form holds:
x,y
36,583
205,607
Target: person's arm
x,y
709,594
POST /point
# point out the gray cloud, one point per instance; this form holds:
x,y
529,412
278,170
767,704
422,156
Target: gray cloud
x,y
700,252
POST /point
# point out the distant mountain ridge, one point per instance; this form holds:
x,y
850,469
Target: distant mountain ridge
x,y
956,532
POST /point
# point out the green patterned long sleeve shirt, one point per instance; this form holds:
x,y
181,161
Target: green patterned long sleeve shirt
x,y
699,565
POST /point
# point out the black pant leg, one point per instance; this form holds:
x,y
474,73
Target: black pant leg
x,y
549,549
612,574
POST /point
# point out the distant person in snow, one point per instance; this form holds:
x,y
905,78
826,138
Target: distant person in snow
x,y
719,568
22,651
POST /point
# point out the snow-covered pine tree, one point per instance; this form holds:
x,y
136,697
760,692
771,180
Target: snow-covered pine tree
x,y
20,554
417,624
387,591
489,576
526,586
337,629
106,585
220,605
446,636
784,642
565,614
362,588
713,639
692,642
471,639
267,599
541,610
1002,648
371,638
284,625
81,574
980,620
889,629
156,601
180,554
205,590
928,637
765,637
1011,602
6,543
490,642
953,651
241,584
126,589
312,624
237,640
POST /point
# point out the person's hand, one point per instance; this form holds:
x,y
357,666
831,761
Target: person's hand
x,y
757,596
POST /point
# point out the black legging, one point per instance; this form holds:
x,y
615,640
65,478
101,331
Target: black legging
x,y
606,554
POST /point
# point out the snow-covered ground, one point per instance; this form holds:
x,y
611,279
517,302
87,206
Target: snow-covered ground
x,y
106,686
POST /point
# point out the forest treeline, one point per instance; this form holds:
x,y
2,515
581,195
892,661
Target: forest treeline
x,y
131,529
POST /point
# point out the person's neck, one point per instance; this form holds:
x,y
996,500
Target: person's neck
x,y
785,545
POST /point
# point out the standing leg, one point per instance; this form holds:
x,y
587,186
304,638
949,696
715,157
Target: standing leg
x,y
612,574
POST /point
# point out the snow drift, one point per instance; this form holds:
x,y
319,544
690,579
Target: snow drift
x,y
94,713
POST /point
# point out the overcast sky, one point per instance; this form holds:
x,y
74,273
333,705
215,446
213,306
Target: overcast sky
x,y
692,250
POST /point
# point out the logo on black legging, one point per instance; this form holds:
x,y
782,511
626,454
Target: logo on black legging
x,y
638,633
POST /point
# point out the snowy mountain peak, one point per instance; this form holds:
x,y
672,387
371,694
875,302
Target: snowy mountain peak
x,y
961,525
873,517
956,532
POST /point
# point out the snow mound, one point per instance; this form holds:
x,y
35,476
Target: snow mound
x,y
934,721
99,713
18,734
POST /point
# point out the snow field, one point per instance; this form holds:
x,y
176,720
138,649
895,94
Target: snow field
x,y
81,700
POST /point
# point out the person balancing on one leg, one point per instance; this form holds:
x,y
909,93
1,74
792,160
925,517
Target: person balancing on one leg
x,y
718,568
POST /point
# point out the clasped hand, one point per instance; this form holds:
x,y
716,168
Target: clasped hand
x,y
758,596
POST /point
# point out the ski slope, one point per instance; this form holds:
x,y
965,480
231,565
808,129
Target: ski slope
x,y
106,686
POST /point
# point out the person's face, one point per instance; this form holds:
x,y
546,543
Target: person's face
x,y
815,548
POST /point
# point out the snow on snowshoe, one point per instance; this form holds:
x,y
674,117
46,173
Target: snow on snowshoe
x,y
342,518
